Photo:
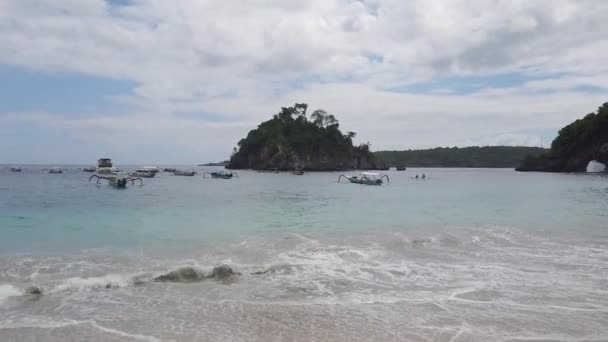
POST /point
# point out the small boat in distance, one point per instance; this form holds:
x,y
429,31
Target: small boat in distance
x,y
401,168
143,173
298,171
188,173
105,166
366,178
117,182
169,169
16,169
221,175
268,170
154,169
89,169
56,170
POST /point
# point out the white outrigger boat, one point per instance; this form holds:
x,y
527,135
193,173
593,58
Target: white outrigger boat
x,y
116,181
145,172
366,178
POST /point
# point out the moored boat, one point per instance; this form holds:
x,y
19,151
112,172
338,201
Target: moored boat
x,y
188,173
16,169
366,178
116,181
56,170
221,175
298,171
143,173
105,166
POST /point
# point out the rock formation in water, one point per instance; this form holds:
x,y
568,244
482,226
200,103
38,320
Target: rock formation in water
x,y
576,145
290,140
191,274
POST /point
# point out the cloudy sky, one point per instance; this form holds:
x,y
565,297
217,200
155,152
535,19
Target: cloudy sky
x,y
181,81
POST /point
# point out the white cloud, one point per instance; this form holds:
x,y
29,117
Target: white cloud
x,y
187,55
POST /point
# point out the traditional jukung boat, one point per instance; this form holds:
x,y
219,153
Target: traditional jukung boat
x,y
298,171
117,182
56,170
220,175
143,173
188,173
366,178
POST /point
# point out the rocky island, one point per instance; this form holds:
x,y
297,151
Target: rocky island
x,y
291,140
581,142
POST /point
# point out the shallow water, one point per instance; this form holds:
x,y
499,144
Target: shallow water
x,y
467,255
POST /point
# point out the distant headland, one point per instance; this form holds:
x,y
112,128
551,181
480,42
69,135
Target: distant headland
x,y
292,140
474,156
222,163
576,145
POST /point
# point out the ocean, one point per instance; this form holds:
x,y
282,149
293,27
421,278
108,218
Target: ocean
x,y
466,255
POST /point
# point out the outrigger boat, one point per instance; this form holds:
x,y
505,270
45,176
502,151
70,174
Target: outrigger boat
x,y
221,175
117,182
105,167
154,169
366,178
298,171
143,173
55,170
188,173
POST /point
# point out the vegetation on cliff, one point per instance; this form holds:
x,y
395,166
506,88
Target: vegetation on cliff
x,y
489,156
576,145
290,139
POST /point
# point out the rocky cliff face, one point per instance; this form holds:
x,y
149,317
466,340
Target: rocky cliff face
x,y
264,159
576,145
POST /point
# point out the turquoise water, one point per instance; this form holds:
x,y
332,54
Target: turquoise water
x,y
467,255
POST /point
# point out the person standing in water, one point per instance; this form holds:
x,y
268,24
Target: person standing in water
x,y
423,176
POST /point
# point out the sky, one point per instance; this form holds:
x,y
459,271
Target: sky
x,y
182,81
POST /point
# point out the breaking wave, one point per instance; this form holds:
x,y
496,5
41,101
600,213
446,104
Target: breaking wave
x,y
7,291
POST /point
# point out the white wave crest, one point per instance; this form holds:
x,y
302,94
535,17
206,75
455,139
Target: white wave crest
x,y
110,281
7,291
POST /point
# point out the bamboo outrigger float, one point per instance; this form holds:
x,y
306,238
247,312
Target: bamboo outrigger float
x,y
366,178
117,182
221,175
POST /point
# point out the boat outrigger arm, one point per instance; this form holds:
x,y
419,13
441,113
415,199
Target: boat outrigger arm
x,y
118,182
